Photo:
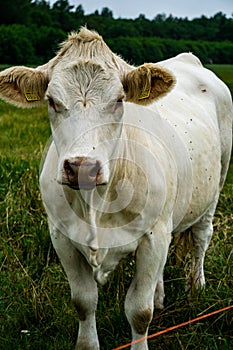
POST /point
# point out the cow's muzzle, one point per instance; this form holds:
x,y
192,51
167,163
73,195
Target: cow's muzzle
x,y
81,173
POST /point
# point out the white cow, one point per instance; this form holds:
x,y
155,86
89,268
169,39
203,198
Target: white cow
x,y
137,154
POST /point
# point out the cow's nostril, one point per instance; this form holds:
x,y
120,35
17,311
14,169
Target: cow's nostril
x,y
94,170
68,168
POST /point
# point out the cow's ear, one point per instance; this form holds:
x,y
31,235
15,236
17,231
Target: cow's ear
x,y
22,86
146,83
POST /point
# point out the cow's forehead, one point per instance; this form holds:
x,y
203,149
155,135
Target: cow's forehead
x,y
84,72
86,77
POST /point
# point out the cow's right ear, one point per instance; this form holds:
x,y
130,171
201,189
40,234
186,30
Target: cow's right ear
x,y
22,86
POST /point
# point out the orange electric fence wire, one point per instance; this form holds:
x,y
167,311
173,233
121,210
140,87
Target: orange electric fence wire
x,y
175,327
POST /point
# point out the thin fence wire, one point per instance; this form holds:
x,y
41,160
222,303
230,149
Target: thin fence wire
x,y
174,327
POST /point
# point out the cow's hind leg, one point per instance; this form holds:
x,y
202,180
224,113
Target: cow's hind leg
x,y
84,291
201,234
151,256
159,294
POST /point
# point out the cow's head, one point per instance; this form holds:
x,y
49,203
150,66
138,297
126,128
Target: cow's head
x,y
86,86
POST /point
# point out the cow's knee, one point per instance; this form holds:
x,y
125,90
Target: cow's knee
x,y
85,303
139,319
81,307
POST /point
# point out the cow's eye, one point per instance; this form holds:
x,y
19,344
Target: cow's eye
x,y
52,103
119,102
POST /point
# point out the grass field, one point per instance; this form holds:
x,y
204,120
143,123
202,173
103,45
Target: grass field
x,y
35,308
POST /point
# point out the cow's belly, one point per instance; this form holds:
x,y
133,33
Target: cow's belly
x,y
205,190
205,158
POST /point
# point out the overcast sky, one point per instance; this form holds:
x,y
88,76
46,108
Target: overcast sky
x,y
150,8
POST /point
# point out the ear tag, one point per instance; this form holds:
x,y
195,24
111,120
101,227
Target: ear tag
x,y
32,96
145,94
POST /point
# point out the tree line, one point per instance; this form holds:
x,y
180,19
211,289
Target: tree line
x,y
30,32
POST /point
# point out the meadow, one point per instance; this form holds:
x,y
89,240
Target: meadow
x,y
35,308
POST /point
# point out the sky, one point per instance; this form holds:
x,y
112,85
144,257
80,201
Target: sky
x,y
150,8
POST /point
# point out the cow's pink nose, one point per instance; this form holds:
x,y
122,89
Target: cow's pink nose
x,y
81,173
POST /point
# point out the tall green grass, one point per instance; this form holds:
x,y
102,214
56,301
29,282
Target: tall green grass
x,y
35,308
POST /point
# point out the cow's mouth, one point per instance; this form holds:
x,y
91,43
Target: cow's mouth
x,y
85,186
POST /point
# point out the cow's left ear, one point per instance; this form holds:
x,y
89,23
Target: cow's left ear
x,y
22,86
147,83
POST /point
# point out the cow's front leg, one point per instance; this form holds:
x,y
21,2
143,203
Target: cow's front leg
x,y
151,256
84,291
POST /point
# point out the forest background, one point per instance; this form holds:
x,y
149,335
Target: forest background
x,y
30,32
